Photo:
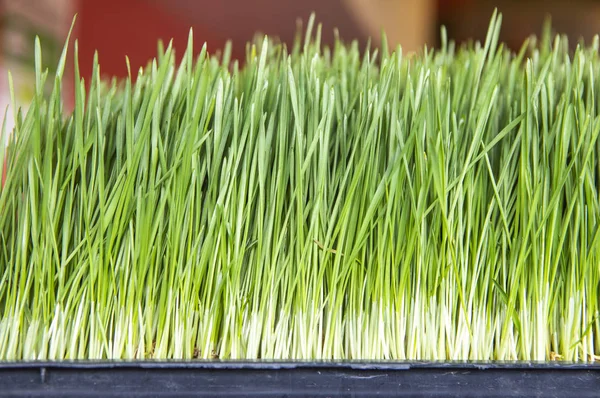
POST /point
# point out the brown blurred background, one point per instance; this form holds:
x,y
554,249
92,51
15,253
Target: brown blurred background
x,y
132,27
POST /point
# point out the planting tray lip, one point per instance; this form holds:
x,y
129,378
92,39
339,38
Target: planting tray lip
x,y
271,378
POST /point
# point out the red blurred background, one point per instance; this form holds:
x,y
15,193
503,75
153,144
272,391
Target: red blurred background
x,y
132,27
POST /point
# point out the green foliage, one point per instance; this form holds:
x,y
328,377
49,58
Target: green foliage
x,y
312,203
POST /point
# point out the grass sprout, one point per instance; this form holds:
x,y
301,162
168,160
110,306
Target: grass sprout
x,y
313,202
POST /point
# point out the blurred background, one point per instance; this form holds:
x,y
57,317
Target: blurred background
x,y
132,27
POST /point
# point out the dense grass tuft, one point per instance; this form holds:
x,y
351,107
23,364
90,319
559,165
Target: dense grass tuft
x,y
313,203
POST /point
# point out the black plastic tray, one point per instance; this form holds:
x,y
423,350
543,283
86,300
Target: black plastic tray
x,y
298,379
